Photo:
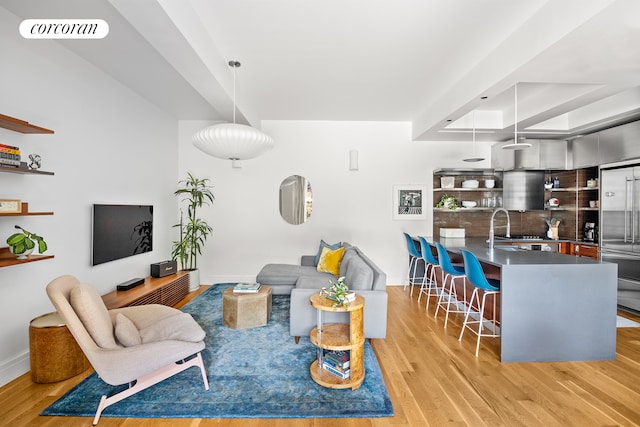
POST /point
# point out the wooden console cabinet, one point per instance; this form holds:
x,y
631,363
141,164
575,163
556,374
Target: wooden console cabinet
x,y
168,290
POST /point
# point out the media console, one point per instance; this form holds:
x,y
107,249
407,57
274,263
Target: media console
x,y
167,290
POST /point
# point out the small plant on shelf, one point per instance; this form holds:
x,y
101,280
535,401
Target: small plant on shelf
x,y
338,292
23,243
447,202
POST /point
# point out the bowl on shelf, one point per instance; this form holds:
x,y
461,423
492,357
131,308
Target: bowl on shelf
x,y
470,183
548,185
469,204
489,183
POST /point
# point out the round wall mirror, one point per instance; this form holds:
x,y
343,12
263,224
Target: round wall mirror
x,y
296,199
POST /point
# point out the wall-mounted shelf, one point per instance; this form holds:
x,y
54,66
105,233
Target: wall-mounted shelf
x,y
21,126
467,189
8,259
24,169
25,212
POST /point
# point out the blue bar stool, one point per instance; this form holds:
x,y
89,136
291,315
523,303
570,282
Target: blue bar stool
x,y
414,257
480,282
431,264
451,272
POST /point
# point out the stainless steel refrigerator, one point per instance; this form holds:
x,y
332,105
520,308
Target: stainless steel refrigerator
x,y
620,228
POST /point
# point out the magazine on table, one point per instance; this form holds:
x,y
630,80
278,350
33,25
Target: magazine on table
x,y
246,288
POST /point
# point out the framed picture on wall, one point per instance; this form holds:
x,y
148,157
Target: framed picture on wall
x,y
408,202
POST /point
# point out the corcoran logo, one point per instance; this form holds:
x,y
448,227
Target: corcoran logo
x,y
64,29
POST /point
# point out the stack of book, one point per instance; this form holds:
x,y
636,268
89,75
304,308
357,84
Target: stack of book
x,y
337,362
9,156
246,288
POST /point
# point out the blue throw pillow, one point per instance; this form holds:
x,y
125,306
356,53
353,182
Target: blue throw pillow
x,y
323,245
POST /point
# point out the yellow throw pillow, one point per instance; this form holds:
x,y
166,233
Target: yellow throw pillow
x,y
330,260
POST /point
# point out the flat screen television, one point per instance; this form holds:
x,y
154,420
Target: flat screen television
x,y
121,231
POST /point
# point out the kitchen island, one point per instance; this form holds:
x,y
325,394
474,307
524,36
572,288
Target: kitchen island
x,y
553,307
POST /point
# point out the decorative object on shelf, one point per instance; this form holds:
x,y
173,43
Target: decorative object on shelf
x,y
196,193
489,183
35,161
548,185
470,183
408,202
10,206
447,202
338,292
447,182
556,182
592,183
515,145
553,202
232,141
22,244
469,204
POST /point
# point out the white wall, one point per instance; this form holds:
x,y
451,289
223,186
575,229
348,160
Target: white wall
x,y
354,206
109,146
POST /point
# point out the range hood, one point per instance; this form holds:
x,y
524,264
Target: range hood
x,y
523,190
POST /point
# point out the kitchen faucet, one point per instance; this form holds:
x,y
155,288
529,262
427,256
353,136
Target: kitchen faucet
x,y
491,233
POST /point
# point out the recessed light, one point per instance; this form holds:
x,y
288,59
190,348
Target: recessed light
x,y
449,120
483,97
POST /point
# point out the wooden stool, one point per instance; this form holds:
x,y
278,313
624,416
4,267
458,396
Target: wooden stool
x,y
54,353
246,310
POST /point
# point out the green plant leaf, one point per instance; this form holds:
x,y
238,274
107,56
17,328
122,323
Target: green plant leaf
x,y
15,239
42,246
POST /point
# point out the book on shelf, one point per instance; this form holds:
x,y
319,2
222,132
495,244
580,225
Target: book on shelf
x,y
337,358
337,372
246,288
9,156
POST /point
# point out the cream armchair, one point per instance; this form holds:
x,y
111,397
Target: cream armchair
x,y
139,345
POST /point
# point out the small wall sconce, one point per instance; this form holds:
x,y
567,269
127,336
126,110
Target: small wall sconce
x,y
353,160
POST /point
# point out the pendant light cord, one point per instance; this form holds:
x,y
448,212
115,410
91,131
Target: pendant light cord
x,y
515,121
234,65
474,132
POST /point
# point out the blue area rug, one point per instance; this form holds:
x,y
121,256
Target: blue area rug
x,y
253,373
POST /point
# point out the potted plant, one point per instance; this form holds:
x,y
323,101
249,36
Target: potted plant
x,y
22,244
193,233
447,202
338,292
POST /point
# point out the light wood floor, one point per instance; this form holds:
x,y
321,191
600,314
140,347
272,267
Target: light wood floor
x,y
433,380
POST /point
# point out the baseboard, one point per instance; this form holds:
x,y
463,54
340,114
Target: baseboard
x,y
13,368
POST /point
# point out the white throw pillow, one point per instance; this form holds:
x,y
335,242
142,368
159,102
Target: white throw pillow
x,y
126,332
88,305
180,327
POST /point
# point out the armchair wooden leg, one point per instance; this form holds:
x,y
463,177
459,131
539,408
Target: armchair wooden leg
x,y
298,340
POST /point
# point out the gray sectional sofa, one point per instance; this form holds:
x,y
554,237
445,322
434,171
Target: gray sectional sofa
x,y
302,281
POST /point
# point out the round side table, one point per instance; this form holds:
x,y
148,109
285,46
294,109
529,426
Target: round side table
x,y
53,352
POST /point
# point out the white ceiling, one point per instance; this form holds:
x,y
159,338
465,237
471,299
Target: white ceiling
x,y
576,63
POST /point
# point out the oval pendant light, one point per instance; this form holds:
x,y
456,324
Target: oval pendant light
x,y
232,141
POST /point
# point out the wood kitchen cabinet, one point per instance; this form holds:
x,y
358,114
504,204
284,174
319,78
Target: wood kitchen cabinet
x,y
584,249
